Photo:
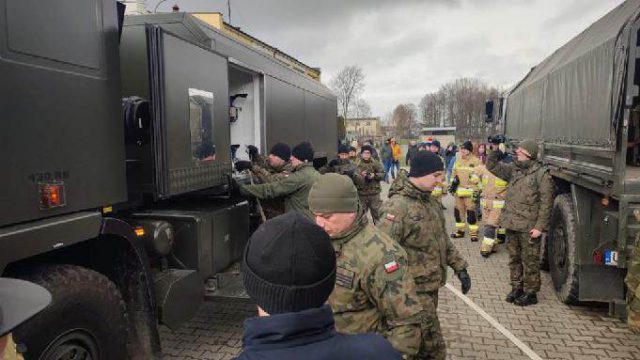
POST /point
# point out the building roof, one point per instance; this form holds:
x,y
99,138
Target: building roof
x,y
445,128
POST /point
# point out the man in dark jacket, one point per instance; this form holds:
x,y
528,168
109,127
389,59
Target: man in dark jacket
x,y
411,152
289,270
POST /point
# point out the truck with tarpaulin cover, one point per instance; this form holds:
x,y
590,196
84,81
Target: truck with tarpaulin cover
x,y
118,137
581,105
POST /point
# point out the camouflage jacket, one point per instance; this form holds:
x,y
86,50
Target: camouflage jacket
x,y
415,219
265,173
365,185
374,291
344,167
295,188
529,198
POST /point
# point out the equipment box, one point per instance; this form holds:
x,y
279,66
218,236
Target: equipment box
x,y
208,237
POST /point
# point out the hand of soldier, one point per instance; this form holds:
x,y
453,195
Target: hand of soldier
x,y
242,165
502,147
535,233
465,281
252,150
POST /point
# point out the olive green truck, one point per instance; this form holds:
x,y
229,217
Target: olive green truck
x,y
582,105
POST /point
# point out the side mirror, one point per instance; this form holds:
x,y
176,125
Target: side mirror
x,y
488,111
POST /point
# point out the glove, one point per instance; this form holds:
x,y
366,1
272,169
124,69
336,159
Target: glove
x,y
242,165
333,163
502,147
454,185
253,151
465,281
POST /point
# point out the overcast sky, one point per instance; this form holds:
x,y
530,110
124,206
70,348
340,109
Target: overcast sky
x,y
410,47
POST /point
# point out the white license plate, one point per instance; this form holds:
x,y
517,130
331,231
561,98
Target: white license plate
x,y
611,257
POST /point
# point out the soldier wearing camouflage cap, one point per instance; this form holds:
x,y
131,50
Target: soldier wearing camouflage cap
x,y
374,290
526,212
415,219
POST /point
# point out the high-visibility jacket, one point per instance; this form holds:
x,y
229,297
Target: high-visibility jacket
x,y
494,189
467,170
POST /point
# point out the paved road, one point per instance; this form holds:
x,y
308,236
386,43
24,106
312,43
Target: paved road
x,y
549,330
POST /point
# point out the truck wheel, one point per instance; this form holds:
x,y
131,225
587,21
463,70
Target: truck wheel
x,y
85,320
561,249
544,254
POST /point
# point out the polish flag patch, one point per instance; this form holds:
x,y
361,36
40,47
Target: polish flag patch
x,y
390,217
391,266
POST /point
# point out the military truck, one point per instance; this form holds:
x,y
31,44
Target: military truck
x,y
581,104
118,139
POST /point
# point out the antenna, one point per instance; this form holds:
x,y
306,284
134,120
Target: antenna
x,y
229,8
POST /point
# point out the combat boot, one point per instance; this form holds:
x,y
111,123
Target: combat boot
x,y
514,294
527,299
487,247
457,235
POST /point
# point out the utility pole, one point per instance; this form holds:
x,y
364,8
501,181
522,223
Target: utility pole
x,y
229,7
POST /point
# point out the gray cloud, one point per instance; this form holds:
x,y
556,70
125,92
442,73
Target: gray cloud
x,y
410,47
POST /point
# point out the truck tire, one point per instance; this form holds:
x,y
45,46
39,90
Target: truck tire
x,y
561,249
85,320
544,254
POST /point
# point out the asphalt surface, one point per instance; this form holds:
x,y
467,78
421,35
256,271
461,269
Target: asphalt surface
x,y
482,326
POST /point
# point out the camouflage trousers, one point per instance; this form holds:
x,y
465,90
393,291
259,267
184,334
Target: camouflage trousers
x,y
633,290
433,345
371,203
465,207
524,261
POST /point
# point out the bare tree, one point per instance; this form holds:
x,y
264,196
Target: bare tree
x,y
405,118
360,109
459,103
348,84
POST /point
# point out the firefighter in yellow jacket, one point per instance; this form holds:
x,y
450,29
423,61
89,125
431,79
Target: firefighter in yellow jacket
x,y
464,187
494,191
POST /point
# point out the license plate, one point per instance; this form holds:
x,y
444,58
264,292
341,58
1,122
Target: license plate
x,y
611,257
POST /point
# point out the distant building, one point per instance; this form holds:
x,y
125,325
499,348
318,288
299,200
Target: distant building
x,y
363,128
443,134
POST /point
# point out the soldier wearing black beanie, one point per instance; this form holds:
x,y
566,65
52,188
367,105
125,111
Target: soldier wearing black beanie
x,y
289,270
425,163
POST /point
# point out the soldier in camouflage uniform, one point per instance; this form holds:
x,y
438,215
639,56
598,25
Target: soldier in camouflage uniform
x,y
370,172
295,187
465,173
528,205
343,165
415,219
633,285
374,290
274,168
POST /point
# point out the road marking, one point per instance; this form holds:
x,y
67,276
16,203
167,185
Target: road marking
x,y
525,349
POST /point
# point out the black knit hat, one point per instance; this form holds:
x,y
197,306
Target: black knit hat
x,y
281,150
303,151
343,149
467,145
366,148
436,143
425,163
289,265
